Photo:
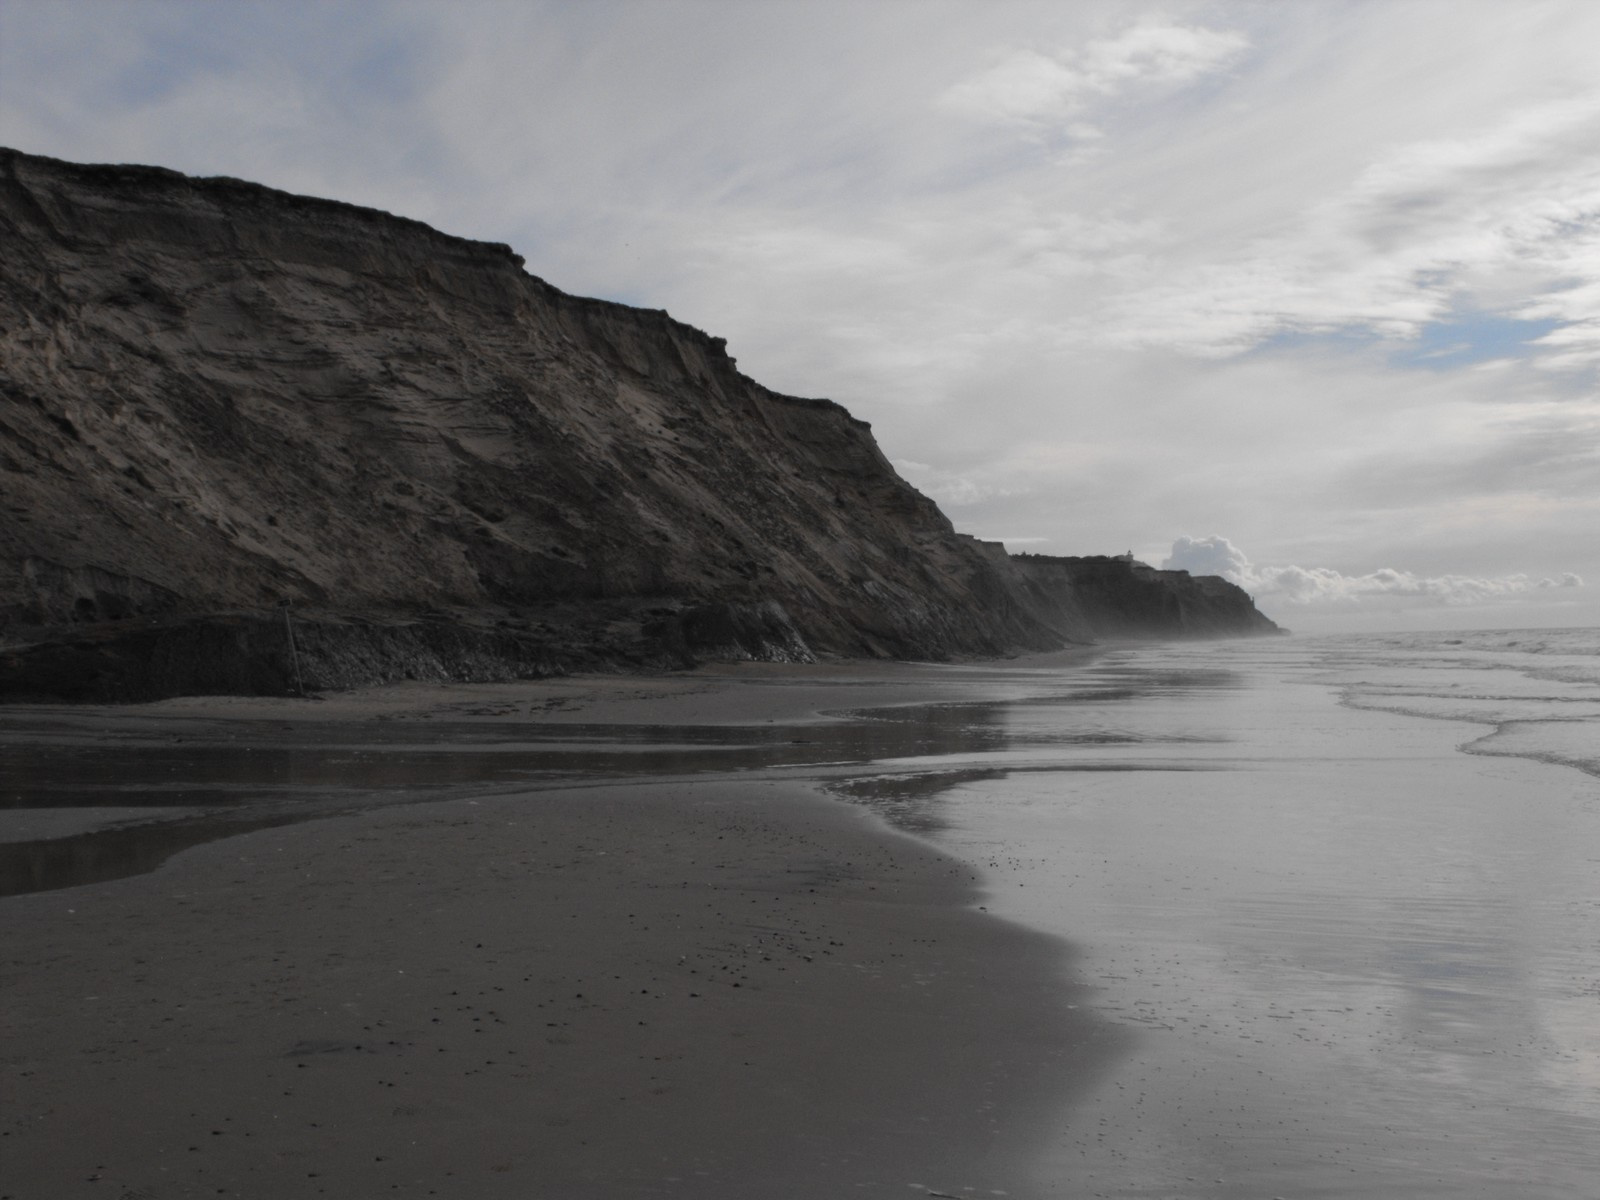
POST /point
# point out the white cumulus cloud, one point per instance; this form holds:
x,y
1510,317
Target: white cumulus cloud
x,y
1312,585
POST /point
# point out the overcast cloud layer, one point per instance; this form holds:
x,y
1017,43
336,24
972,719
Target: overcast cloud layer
x,y
1317,280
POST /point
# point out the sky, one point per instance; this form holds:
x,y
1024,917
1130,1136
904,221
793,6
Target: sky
x,y
1305,293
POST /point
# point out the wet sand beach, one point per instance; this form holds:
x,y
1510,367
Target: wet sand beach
x,y
1194,921
713,985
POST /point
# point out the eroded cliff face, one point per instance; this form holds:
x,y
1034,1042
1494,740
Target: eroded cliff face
x,y
1117,597
217,400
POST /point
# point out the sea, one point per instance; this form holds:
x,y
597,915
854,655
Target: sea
x,y
1336,900
1345,894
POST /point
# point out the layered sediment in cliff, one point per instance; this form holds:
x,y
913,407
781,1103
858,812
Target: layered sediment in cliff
x,y
248,438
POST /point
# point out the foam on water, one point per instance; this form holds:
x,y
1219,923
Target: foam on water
x,y
1539,689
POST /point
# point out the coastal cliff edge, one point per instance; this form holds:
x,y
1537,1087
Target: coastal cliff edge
x,y
256,442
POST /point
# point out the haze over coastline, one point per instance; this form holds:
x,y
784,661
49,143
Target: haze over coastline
x,y
1318,283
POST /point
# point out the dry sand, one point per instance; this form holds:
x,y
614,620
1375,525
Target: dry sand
x,y
709,987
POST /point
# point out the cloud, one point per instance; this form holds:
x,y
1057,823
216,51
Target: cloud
x,y
1415,237
1322,585
1208,556
1034,86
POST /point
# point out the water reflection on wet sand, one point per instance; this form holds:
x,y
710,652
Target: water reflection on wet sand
x,y
273,776
1361,962
1354,961
207,779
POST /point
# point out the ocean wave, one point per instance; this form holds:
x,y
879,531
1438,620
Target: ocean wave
x,y
1538,690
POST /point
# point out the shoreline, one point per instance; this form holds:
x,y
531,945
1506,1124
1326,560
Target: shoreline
x,y
726,985
740,693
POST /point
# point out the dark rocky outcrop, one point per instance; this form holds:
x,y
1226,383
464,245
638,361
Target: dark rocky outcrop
x,y
218,400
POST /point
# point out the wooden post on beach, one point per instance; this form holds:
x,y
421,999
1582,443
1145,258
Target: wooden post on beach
x,y
294,653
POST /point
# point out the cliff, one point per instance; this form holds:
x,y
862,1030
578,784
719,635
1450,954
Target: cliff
x,y
246,436
1117,597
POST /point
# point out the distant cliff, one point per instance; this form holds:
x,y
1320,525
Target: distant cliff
x,y
1116,597
250,441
